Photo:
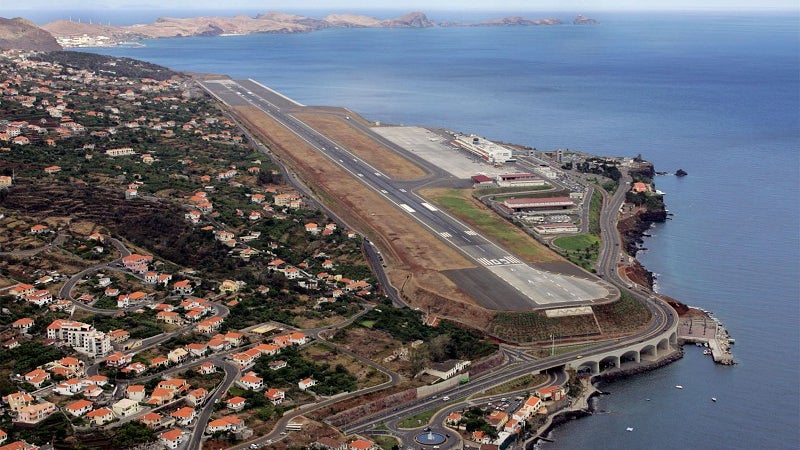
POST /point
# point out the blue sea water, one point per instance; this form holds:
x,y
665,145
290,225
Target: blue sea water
x,y
716,95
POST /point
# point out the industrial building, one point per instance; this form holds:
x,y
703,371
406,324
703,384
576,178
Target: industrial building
x,y
485,149
538,204
519,179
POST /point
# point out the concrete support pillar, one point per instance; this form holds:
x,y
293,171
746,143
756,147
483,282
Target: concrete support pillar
x,y
617,362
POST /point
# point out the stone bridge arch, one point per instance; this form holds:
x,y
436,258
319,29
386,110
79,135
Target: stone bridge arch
x,y
609,361
630,356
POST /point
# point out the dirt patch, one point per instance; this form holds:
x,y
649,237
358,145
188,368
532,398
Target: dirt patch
x,y
377,155
408,247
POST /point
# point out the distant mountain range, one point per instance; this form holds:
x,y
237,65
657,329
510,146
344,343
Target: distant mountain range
x,y
19,33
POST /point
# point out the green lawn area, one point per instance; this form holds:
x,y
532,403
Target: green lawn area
x,y
579,242
385,442
594,212
508,235
367,323
523,382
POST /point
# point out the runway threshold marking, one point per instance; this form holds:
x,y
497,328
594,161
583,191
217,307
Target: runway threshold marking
x,y
429,206
407,208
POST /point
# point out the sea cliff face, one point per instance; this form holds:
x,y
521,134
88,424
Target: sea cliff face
x,y
20,34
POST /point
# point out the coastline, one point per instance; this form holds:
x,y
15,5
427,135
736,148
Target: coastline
x,y
583,405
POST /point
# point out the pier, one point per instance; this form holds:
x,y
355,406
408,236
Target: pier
x,y
707,330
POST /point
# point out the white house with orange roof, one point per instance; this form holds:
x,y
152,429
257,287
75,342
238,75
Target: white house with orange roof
x,y
275,395
206,368
235,403
23,325
228,423
210,326
197,396
306,383
171,439
135,392
37,377
251,381
79,408
183,287
184,416
21,290
100,416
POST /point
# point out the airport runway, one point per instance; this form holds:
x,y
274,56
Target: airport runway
x,y
501,282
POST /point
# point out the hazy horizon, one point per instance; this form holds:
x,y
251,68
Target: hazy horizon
x,y
421,5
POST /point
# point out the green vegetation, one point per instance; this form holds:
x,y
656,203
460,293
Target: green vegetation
x,y
653,202
495,227
626,314
140,326
133,433
330,380
443,342
28,356
595,205
52,429
386,442
581,250
524,382
417,420
473,419
533,326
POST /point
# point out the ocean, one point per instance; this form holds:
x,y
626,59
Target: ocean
x,y
717,95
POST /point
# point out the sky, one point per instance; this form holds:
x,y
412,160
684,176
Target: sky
x,y
422,5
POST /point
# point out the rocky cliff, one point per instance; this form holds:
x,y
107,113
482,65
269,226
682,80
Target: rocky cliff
x,y
20,34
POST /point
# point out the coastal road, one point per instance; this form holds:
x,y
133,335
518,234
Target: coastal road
x,y
504,281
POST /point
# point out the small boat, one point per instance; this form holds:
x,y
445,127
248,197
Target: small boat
x,y
629,429
713,399
678,386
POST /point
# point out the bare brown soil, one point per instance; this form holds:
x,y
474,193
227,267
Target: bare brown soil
x,y
409,249
378,156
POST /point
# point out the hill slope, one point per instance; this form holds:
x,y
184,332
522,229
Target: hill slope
x,y
19,34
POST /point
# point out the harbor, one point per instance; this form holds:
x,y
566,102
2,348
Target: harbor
x,y
702,329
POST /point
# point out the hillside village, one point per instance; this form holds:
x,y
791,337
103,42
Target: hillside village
x,y
149,251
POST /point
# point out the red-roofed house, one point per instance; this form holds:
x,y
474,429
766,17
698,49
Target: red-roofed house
x,y
276,396
100,416
171,439
79,408
362,444
184,416
235,403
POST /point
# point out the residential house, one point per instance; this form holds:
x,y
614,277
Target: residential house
x,y
551,393
95,380
277,365
197,396
197,349
178,355
118,359
136,368
228,286
135,392
497,419
210,326
160,395
21,290
207,368
23,325
36,412
235,403
69,387
228,423
276,396
171,439
184,416
100,416
183,287
118,336
446,369
268,349
159,361
306,383
137,263
170,317
79,408
251,381
37,377
18,400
